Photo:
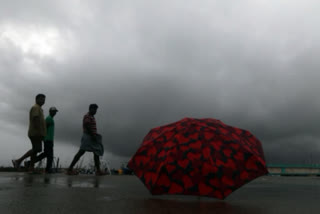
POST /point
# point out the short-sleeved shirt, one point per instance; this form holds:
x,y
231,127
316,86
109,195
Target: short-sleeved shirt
x,y
36,111
91,121
50,128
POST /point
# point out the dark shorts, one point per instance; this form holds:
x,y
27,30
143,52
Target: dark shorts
x,y
36,142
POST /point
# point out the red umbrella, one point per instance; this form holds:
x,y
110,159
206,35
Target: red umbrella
x,y
198,157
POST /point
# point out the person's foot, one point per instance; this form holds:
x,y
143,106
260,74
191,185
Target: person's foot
x,y
100,173
34,172
27,164
50,171
30,169
15,164
72,172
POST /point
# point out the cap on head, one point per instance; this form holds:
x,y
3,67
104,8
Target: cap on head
x,y
53,109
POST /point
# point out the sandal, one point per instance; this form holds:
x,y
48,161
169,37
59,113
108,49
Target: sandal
x,y
101,173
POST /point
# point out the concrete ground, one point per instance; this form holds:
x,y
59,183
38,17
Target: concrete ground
x,y
59,193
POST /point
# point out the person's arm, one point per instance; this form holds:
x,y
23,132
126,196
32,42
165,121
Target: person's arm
x,y
37,124
36,121
88,128
35,117
48,122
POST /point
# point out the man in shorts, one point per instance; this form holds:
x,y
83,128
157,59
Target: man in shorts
x,y
36,133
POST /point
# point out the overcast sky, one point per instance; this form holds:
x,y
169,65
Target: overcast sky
x,y
253,64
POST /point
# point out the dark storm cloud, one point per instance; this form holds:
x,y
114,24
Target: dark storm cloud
x,y
147,64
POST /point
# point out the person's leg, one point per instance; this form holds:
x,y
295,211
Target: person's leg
x,y
16,163
36,148
37,158
40,157
32,161
96,162
76,159
48,149
97,165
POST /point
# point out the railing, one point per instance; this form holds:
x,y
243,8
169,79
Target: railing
x,y
294,169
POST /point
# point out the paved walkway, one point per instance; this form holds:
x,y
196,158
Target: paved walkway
x,y
58,193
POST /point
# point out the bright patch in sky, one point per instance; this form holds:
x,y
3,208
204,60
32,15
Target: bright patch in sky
x,y
42,41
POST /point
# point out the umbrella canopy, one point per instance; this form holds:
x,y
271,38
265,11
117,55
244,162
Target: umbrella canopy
x,y
198,157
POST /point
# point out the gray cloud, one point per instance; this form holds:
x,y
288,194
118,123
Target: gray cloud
x,y
146,64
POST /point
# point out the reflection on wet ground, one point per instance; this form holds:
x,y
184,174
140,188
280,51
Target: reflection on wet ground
x,y
59,193
82,182
186,207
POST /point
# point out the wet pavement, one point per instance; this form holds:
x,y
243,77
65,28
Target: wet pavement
x,y
59,193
